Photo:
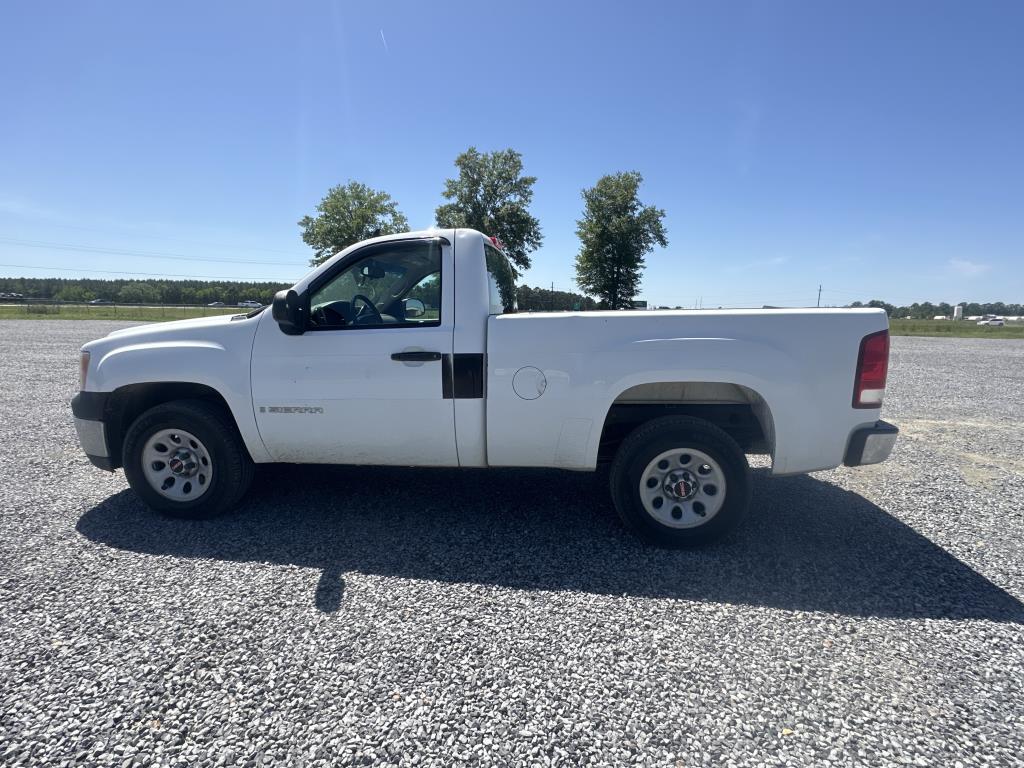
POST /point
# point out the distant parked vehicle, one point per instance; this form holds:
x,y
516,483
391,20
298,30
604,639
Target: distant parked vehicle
x,y
250,304
994,321
100,301
215,304
11,296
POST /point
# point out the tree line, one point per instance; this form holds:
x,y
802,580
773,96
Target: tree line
x,y
925,310
529,299
155,291
535,299
149,291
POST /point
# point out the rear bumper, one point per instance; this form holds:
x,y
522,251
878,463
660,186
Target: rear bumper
x,y
88,408
870,445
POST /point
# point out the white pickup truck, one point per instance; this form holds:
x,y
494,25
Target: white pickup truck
x,y
407,350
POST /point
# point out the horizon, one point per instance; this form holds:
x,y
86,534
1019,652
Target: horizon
x,y
1008,306
872,150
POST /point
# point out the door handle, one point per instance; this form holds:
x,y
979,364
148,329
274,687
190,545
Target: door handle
x,y
415,357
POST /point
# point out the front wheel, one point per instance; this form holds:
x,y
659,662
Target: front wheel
x,y
186,459
678,481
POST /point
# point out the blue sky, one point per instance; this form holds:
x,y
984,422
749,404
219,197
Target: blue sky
x,y
876,149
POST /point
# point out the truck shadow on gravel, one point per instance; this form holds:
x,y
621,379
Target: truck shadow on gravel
x,y
807,544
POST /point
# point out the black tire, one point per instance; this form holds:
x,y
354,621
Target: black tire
x,y
650,440
233,468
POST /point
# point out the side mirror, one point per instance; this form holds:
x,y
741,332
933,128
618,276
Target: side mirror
x,y
414,308
288,312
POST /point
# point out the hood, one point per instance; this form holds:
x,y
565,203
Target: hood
x,y
218,329
176,327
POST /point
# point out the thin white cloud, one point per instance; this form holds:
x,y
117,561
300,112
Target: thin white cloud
x,y
385,41
966,267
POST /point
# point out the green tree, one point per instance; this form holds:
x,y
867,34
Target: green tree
x,y
492,195
350,213
74,293
429,292
616,232
544,300
889,308
139,292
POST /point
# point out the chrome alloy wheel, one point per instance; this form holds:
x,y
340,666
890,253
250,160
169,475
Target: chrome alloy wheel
x,y
177,465
682,488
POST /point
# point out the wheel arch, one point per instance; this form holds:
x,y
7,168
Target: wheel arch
x,y
738,409
125,404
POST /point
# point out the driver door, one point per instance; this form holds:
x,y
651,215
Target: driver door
x,y
363,385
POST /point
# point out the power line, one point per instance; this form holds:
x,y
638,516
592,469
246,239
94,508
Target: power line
x,y
147,274
138,254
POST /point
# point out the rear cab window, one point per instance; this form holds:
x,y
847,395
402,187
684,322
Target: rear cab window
x,y
501,285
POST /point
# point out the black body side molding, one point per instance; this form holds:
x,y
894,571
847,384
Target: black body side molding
x,y
462,376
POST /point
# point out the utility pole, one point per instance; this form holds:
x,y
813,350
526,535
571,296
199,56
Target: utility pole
x,y
819,295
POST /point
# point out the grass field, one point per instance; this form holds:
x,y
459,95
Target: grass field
x,y
110,312
955,329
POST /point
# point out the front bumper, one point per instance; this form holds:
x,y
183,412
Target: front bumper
x,y
870,445
89,408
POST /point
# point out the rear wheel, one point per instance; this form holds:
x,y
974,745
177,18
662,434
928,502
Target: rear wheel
x,y
679,481
186,459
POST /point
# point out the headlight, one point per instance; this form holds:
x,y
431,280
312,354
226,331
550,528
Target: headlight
x,y
83,369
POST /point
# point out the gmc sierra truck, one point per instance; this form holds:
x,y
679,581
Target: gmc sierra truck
x,y
408,350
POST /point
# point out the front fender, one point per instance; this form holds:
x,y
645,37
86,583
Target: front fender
x,y
221,367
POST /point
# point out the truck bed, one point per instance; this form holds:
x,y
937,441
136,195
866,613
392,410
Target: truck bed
x,y
794,368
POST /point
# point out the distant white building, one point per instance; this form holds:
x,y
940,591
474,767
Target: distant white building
x,y
975,317
940,317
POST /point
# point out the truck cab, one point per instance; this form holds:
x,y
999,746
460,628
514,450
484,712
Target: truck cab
x,y
384,354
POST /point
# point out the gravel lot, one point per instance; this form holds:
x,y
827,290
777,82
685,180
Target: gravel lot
x,y
358,616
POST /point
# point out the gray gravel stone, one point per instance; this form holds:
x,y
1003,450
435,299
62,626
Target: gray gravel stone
x,y
362,616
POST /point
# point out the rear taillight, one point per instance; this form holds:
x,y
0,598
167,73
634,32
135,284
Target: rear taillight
x,y
872,367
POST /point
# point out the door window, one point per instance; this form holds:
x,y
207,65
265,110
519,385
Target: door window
x,y
395,285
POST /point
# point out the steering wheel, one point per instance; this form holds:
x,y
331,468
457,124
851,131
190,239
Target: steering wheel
x,y
373,313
